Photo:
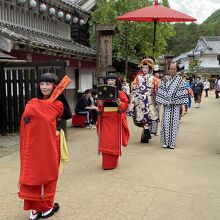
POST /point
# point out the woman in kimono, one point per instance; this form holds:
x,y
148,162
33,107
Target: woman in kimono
x,y
171,94
40,149
143,106
112,127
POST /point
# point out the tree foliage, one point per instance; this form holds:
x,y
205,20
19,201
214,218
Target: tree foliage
x,y
187,35
134,39
194,66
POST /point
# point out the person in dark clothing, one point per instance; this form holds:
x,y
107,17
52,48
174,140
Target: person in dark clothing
x,y
85,107
197,88
94,103
94,97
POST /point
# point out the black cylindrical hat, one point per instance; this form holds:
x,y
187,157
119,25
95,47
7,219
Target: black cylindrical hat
x,y
112,76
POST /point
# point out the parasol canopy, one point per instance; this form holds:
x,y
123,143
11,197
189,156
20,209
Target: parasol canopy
x,y
156,13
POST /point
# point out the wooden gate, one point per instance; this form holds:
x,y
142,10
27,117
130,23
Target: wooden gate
x,y
18,85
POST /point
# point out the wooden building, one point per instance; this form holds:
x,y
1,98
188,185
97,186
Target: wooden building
x,y
206,52
37,35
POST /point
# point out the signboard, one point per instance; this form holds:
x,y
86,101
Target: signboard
x,y
105,51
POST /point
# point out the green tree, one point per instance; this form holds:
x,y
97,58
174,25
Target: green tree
x,y
165,3
194,67
134,39
187,35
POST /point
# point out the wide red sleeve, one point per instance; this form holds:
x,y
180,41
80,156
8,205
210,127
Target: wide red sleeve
x,y
38,147
123,98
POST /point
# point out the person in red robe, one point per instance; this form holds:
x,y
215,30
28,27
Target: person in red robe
x,y
112,127
40,149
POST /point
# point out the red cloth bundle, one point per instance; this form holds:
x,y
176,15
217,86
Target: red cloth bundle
x,y
60,88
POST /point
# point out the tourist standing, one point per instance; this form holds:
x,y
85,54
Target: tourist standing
x,y
206,85
125,86
197,88
190,94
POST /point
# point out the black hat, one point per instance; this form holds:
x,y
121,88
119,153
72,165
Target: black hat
x,y
49,77
112,76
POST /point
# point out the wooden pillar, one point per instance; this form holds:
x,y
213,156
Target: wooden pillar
x,y
104,35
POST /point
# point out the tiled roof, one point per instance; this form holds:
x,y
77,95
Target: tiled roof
x,y
209,44
47,41
110,27
74,2
211,70
182,56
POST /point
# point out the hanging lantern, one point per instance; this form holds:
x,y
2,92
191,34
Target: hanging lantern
x,y
68,17
43,8
21,2
75,20
32,4
60,14
81,22
52,11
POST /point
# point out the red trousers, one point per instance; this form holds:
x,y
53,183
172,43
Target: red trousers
x,y
32,196
109,161
40,206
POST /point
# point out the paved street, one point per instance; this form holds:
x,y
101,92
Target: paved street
x,y
150,183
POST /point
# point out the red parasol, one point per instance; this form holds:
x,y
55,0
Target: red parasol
x,y
156,13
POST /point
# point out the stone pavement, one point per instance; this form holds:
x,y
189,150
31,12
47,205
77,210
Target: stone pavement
x,y
9,144
150,183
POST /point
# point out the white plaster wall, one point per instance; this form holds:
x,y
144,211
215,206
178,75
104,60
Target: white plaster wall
x,y
86,77
209,61
185,63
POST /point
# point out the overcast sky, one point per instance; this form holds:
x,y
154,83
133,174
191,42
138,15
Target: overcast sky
x,y
199,9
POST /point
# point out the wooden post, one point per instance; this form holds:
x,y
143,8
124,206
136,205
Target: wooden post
x,y
104,35
97,54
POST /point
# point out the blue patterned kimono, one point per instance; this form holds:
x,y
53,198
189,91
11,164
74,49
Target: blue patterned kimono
x,y
142,101
171,94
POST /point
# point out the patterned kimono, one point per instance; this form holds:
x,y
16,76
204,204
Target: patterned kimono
x,y
142,102
171,94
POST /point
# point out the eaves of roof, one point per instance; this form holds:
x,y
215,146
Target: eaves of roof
x,y
211,70
6,56
211,44
74,4
41,40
